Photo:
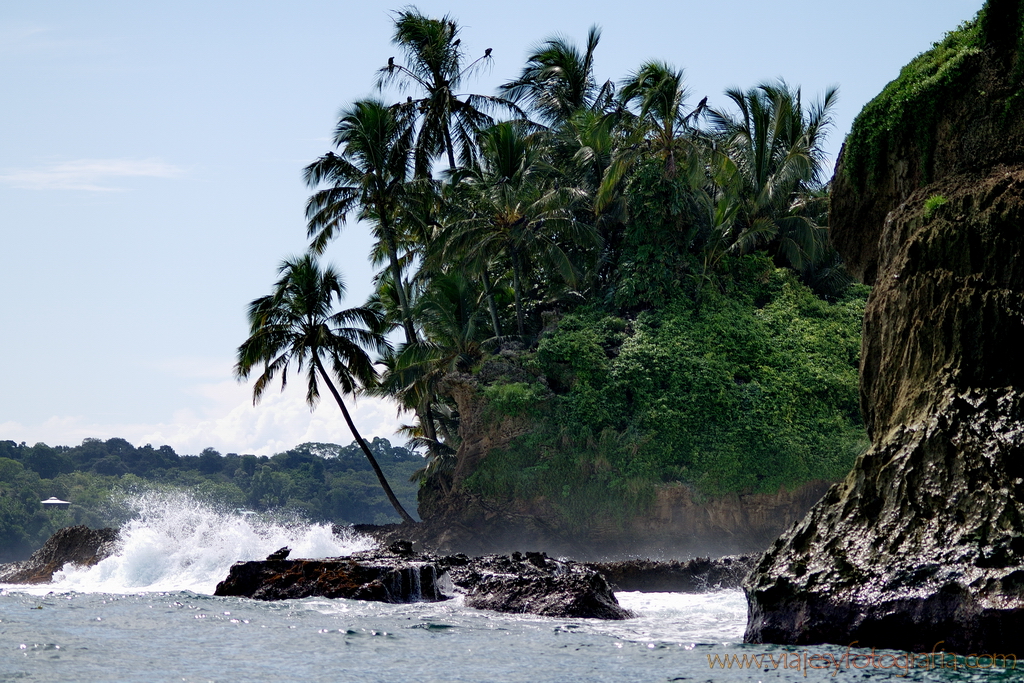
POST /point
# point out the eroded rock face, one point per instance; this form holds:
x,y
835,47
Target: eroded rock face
x,y
75,545
535,584
924,540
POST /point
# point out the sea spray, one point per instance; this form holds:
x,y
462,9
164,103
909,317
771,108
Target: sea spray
x,y
173,541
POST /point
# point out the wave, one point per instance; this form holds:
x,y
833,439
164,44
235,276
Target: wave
x,y
175,542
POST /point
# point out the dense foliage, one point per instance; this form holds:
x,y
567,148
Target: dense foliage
x,y
319,482
752,390
657,277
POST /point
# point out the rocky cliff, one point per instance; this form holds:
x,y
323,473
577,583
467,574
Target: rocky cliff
x,y
924,540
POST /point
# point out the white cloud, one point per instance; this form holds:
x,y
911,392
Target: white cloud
x,y
233,425
92,175
280,421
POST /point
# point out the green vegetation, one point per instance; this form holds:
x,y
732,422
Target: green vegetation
x,y
932,203
320,482
751,390
646,288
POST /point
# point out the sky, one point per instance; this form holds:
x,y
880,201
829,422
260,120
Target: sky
x,y
150,176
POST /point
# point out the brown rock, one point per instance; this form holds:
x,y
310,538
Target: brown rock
x,y
379,580
77,545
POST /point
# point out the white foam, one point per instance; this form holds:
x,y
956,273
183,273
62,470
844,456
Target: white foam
x,y
716,617
175,542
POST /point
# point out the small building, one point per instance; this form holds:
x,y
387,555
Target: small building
x,y
53,503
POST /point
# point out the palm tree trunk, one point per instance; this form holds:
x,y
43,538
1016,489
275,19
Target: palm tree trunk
x,y
449,148
426,415
362,444
489,294
518,287
396,275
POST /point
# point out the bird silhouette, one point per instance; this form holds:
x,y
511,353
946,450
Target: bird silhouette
x,y
391,64
457,42
280,554
487,52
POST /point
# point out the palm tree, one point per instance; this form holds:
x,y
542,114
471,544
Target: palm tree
x,y
513,212
435,59
449,310
371,174
297,324
558,80
656,95
777,148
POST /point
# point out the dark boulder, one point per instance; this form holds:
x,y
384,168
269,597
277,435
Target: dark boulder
x,y
534,584
76,545
574,594
381,579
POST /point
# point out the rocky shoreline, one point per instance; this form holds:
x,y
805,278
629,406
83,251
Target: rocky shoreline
x,y
521,583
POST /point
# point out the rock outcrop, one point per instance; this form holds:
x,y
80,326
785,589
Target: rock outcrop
x,y
924,540
380,579
534,584
516,583
75,545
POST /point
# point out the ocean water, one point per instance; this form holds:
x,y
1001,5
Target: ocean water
x,y
148,614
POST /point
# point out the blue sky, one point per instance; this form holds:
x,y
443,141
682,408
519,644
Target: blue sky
x,y
150,176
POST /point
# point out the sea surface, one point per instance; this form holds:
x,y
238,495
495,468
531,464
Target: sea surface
x,y
148,614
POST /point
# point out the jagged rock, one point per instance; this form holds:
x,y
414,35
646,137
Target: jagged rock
x,y
78,545
576,594
386,579
692,576
536,584
516,583
924,540
280,554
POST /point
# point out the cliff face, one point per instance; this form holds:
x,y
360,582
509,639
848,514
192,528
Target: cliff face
x,y
924,540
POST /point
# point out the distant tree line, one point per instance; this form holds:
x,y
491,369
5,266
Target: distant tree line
x,y
321,482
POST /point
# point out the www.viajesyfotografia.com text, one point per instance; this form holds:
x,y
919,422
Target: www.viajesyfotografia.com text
x,y
805,661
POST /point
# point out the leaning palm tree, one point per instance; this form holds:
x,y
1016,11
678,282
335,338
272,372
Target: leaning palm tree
x,y
298,324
